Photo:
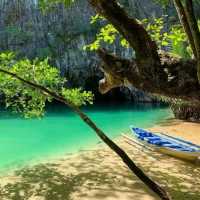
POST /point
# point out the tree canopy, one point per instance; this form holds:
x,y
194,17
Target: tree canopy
x,y
27,100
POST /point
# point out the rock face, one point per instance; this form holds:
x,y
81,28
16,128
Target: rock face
x,y
62,34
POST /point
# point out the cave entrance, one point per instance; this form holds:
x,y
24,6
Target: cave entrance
x,y
115,95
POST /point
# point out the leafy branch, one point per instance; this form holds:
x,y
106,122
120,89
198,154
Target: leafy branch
x,y
68,99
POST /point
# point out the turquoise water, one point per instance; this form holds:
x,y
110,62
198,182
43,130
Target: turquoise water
x,y
25,141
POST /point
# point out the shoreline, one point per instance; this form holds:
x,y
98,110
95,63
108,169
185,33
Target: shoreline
x,y
99,174
62,154
180,128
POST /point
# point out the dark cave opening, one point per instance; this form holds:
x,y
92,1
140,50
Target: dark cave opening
x,y
115,95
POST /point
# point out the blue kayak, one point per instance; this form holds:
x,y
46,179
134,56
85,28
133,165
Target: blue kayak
x,y
169,145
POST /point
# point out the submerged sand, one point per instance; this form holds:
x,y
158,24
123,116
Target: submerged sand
x,y
100,175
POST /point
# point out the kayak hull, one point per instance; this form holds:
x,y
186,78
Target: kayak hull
x,y
188,156
171,147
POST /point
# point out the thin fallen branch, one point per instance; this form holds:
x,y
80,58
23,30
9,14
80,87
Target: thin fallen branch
x,y
119,151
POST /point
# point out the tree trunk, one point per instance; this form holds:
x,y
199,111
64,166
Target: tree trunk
x,y
182,82
131,29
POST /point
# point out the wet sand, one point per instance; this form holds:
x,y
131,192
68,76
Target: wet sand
x,y
99,174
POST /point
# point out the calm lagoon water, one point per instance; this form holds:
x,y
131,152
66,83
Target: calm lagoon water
x,y
25,141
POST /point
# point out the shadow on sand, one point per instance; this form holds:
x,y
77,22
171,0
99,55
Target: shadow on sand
x,y
100,175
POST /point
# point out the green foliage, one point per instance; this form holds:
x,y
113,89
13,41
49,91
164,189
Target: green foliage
x,y
178,40
107,35
96,18
77,96
155,29
175,40
29,101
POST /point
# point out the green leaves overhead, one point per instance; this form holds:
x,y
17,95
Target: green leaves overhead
x,y
77,96
155,29
27,100
175,39
107,35
96,18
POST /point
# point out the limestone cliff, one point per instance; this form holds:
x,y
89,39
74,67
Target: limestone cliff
x,y
61,35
